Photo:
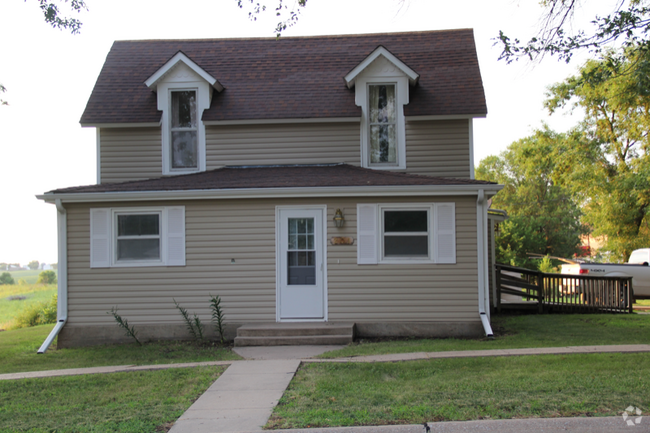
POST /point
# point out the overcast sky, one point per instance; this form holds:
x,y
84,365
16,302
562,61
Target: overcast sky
x,y
49,75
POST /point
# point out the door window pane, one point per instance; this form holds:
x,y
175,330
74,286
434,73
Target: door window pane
x,y
301,254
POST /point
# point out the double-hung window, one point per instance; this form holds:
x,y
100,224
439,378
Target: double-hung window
x,y
396,233
144,236
382,124
184,130
138,237
405,233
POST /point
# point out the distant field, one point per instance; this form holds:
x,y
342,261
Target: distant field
x,y
29,276
16,297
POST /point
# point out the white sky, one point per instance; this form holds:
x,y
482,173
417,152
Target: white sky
x,y
49,75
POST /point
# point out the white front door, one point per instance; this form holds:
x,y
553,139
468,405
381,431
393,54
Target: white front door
x,y
301,262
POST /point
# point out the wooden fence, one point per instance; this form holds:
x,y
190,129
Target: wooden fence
x,y
563,293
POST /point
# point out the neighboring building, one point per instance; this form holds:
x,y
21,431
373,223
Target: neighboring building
x,y
222,164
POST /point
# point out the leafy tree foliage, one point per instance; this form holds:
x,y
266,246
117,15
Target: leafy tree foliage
x,y
53,16
543,217
6,278
609,170
33,265
288,15
46,277
627,24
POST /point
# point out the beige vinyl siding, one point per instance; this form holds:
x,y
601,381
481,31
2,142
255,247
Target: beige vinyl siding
x,y
130,154
301,143
218,231
438,148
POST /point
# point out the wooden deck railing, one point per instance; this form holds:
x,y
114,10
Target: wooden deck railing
x,y
565,293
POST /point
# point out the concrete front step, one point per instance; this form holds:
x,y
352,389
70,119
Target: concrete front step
x,y
285,334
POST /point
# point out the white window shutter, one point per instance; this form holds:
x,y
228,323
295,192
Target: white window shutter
x,y
175,236
445,233
100,238
367,234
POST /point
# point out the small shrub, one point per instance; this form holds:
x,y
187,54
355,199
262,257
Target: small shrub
x,y
124,324
218,317
194,324
46,277
41,313
6,278
22,282
546,266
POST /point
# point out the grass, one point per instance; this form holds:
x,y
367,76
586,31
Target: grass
x,y
325,395
523,331
643,302
17,297
18,353
146,401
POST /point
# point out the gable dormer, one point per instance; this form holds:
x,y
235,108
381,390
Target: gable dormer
x,y
184,90
381,83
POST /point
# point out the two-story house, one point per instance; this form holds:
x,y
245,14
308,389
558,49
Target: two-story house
x,y
304,179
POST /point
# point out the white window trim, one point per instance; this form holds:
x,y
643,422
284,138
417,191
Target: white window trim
x,y
115,237
164,104
362,99
103,237
169,129
370,233
382,208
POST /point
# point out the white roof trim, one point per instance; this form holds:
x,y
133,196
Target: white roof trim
x,y
443,117
249,193
121,125
282,121
152,81
381,51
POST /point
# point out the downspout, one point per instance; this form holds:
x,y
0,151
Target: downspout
x,y
481,250
62,303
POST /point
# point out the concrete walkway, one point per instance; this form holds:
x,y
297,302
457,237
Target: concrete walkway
x,y
244,396
242,399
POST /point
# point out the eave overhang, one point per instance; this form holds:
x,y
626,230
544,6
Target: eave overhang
x,y
259,193
180,57
351,77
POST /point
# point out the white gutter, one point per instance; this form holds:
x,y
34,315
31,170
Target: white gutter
x,y
481,251
299,192
62,305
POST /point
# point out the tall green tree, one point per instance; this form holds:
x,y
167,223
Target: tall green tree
x,y
543,216
609,171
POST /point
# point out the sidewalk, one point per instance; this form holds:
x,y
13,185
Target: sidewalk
x,y
244,396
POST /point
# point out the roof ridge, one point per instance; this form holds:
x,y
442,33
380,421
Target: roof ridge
x,y
262,38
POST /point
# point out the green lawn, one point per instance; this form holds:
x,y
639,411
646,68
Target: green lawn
x,y
18,353
15,298
146,401
544,330
323,395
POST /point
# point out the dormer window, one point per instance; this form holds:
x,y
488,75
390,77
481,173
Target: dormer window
x,y
184,91
184,130
381,83
382,123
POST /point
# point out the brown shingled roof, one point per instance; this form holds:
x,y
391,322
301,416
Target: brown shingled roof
x,y
291,176
290,77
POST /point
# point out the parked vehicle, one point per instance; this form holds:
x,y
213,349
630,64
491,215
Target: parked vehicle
x,y
636,267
